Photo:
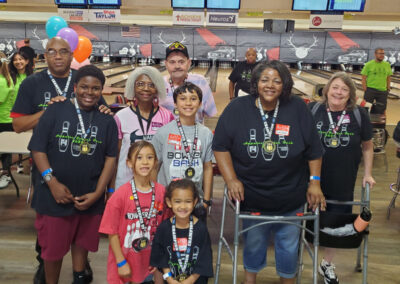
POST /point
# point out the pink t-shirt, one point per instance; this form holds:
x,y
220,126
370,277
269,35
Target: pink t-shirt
x,y
130,131
120,217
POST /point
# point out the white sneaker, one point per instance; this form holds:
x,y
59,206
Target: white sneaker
x,y
4,181
327,270
20,169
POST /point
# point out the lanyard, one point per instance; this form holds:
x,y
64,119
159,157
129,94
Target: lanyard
x,y
171,84
78,112
188,247
189,155
265,117
331,124
140,118
59,92
139,209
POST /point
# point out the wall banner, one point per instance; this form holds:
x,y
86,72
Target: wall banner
x,y
323,21
104,15
74,15
222,19
188,18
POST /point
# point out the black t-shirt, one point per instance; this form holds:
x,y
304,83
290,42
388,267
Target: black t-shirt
x,y
59,135
163,252
340,163
273,183
241,76
396,133
36,91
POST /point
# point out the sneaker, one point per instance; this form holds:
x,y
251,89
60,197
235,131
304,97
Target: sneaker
x,y
4,181
39,278
327,270
20,169
88,273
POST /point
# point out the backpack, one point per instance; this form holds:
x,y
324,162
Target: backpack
x,y
356,112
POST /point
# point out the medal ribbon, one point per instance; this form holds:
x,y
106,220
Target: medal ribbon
x,y
189,155
78,111
139,209
57,87
179,256
140,118
331,124
265,117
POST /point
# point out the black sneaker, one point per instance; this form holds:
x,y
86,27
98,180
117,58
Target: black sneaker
x,y
88,273
327,270
39,277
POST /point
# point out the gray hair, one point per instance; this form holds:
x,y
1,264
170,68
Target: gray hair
x,y
153,74
348,81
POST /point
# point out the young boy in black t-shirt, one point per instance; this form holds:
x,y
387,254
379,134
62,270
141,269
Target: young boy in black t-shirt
x,y
74,148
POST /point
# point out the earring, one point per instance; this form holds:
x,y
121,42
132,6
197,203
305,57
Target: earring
x,y
135,102
155,102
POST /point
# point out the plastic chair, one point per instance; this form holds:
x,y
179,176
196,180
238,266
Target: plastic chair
x,y
238,215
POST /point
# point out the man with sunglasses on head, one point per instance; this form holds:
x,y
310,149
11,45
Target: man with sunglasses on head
x,y
177,62
54,84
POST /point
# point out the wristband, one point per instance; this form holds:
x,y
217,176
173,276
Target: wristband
x,y
46,172
110,190
315,178
122,263
166,275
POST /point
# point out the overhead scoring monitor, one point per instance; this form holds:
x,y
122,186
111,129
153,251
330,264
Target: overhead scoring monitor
x,y
105,2
194,4
346,5
310,5
70,2
223,4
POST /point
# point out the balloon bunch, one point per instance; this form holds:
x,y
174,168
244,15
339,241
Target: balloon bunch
x,y
81,46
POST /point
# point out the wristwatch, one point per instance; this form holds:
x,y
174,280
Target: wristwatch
x,y
47,177
207,202
166,275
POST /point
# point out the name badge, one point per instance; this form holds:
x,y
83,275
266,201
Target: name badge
x,y
282,129
346,119
182,244
156,125
174,139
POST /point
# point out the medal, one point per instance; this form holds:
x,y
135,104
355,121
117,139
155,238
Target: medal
x,y
176,112
334,142
189,173
85,148
140,244
269,146
181,277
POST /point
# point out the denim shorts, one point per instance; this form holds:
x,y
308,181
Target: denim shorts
x,y
286,240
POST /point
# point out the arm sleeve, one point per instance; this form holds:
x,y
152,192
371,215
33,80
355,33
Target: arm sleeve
x,y
313,146
364,71
109,223
24,104
4,90
204,262
112,139
118,122
232,77
222,140
41,133
366,125
208,149
156,141
210,109
159,257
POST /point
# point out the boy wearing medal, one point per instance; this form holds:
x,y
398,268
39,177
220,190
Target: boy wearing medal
x,y
74,148
183,146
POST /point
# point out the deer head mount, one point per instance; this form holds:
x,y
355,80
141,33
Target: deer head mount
x,y
302,51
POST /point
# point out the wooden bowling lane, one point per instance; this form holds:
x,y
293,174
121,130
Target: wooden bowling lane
x,y
111,71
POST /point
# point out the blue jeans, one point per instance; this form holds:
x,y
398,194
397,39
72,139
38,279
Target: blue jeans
x,y
286,240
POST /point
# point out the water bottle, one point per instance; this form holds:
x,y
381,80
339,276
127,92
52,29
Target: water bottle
x,y
362,220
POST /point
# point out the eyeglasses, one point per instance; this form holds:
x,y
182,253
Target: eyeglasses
x,y
61,52
142,85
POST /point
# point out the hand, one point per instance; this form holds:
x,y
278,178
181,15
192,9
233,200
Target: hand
x,y
315,197
60,192
85,201
370,180
152,269
104,109
56,100
235,189
124,271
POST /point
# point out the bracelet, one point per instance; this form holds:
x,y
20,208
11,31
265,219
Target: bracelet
x,y
110,190
48,171
315,178
122,263
166,275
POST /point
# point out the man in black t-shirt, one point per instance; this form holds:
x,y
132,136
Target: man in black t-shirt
x,y
241,74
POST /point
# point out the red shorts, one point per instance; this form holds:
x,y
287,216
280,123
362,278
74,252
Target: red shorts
x,y
57,234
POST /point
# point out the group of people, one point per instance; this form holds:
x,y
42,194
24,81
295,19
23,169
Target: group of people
x,y
154,160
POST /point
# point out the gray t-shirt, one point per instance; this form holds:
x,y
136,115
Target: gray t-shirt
x,y
172,156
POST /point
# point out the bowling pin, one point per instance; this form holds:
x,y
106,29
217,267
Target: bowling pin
x,y
63,142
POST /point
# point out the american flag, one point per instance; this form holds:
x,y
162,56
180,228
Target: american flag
x,y
130,31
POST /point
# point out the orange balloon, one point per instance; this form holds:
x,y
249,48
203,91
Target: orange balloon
x,y
83,50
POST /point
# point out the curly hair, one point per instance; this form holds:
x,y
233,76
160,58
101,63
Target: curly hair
x,y
153,74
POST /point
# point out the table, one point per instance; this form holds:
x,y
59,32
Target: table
x,y
14,143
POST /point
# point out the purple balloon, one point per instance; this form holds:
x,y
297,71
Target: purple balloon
x,y
70,36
